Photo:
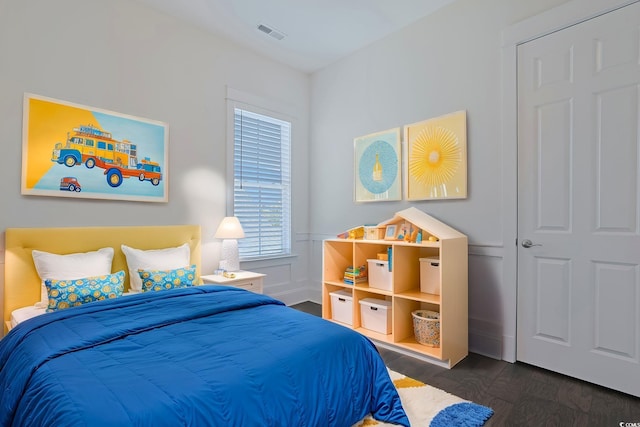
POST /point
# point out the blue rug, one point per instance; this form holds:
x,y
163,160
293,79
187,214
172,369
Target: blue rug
x,y
462,414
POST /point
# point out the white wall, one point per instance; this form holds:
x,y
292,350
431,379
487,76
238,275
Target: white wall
x,y
446,62
121,56
157,67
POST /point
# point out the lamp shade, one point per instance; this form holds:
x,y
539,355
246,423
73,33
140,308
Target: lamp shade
x,y
230,228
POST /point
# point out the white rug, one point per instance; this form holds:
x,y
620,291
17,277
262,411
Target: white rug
x,y
426,406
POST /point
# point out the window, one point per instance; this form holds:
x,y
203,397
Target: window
x,y
262,183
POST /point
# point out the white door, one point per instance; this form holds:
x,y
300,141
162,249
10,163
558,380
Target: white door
x,y
579,201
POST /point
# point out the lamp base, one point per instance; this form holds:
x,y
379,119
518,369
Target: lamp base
x,y
229,256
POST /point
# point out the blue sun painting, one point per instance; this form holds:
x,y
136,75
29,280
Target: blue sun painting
x,y
377,167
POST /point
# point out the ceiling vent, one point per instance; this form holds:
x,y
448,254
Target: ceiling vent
x,y
278,35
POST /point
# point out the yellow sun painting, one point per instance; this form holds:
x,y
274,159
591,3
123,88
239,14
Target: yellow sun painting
x,y
436,158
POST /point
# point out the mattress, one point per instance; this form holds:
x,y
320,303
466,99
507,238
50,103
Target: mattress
x,y
25,313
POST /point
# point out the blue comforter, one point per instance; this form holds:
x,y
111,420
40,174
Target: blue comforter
x,y
201,356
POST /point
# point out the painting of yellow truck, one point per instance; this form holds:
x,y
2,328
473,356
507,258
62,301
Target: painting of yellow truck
x,y
114,156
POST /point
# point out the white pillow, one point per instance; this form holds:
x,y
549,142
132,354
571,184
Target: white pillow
x,y
154,259
70,266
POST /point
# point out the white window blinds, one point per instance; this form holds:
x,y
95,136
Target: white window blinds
x,y
262,184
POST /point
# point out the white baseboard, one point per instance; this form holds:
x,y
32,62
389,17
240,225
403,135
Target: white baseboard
x,y
294,296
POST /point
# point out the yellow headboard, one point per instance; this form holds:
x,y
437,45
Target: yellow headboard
x,y
22,284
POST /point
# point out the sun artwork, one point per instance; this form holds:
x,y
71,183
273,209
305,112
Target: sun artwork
x,y
436,158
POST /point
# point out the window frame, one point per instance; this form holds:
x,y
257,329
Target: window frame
x,y
248,103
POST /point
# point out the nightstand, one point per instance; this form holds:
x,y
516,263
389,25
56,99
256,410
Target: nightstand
x,y
244,279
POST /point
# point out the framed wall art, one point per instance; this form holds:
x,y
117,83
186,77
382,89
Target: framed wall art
x,y
377,167
71,150
436,158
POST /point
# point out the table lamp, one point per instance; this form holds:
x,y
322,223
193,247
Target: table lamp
x,y
230,230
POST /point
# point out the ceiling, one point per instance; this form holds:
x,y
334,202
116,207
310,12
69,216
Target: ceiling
x,y
316,32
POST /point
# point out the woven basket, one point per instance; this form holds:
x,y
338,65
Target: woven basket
x,y
426,327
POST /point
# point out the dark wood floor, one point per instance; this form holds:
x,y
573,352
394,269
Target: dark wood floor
x,y
519,394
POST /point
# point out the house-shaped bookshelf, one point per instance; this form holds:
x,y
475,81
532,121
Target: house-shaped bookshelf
x,y
441,248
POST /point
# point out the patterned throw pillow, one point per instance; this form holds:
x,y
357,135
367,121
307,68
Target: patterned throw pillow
x,y
154,259
158,280
73,292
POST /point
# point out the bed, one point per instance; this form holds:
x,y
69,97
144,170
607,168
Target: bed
x,y
198,355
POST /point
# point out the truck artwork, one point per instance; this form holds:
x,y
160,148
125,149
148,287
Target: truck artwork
x,y
93,147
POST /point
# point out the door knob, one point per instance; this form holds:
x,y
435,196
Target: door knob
x,y
528,243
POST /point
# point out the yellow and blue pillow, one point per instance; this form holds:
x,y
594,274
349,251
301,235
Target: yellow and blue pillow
x,y
73,292
159,280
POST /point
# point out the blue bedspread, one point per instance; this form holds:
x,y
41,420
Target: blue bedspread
x,y
200,356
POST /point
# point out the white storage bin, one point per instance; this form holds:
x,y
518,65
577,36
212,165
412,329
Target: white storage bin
x,y
379,274
430,275
376,315
342,306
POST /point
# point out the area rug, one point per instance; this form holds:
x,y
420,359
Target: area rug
x,y
429,406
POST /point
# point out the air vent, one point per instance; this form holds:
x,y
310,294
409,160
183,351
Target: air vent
x,y
278,35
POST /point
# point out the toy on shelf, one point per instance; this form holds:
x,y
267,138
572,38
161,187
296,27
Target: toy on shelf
x,y
409,232
353,233
412,234
405,231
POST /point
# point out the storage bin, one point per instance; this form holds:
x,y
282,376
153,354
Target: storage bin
x,y
426,327
430,275
376,315
342,306
373,232
379,274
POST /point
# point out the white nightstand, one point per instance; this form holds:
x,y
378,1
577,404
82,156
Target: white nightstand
x,y
244,279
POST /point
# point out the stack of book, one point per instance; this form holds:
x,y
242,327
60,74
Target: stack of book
x,y
353,275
